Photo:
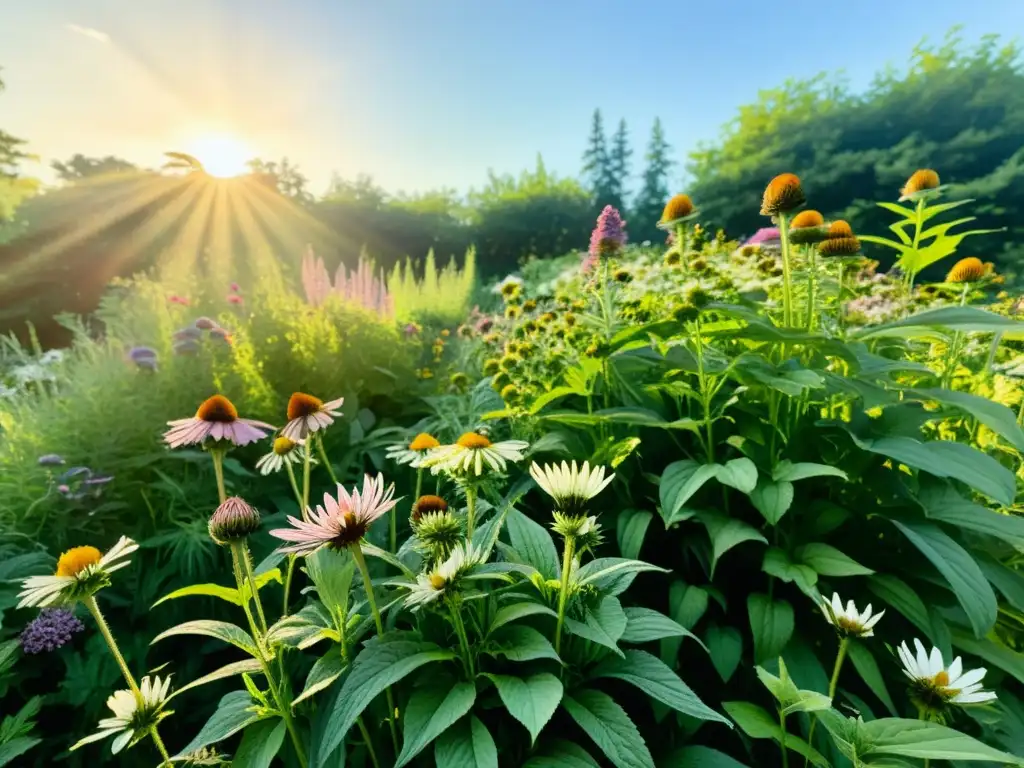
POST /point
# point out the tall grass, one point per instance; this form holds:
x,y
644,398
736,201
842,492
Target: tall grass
x,y
441,297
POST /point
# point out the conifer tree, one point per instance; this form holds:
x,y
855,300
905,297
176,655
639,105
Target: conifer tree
x,y
654,192
597,167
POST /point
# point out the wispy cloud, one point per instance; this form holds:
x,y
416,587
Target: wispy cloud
x,y
93,34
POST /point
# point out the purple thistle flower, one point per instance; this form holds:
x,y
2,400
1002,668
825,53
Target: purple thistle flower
x,y
51,629
608,236
51,460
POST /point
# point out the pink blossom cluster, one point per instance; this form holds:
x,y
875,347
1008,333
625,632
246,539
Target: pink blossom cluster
x,y
360,285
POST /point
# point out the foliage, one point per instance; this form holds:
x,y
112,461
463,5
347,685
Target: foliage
x,y
442,297
79,167
654,191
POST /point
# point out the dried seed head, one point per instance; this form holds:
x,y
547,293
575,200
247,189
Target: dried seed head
x,y
967,270
782,195
839,246
679,207
920,181
300,405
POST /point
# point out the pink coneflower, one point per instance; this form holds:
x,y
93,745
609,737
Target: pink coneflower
x,y
411,329
340,522
216,419
234,288
175,299
309,414
234,298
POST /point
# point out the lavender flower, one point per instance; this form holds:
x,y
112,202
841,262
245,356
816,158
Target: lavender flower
x,y
51,629
608,236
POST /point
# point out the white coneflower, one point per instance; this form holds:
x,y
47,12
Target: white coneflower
x,y
308,414
81,573
133,718
569,485
933,684
443,577
413,453
284,451
849,621
472,453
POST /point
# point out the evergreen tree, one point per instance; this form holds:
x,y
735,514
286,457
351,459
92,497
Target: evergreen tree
x,y
598,168
620,156
654,192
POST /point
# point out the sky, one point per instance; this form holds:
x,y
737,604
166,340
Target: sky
x,y
423,94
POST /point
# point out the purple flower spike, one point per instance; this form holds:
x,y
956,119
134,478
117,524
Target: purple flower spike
x,y
51,460
51,629
610,233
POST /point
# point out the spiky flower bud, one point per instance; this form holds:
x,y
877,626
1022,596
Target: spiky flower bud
x,y
807,227
673,258
968,270
782,195
679,207
426,504
491,366
839,246
920,181
233,521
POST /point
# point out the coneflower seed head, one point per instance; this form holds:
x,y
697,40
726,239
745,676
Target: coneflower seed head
x,y
217,408
968,270
782,195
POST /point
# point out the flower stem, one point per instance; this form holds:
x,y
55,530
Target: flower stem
x,y
305,482
251,578
160,746
460,630
94,609
288,584
368,741
295,485
833,684
787,273
357,555
217,455
681,244
394,517
470,512
563,591
812,274
325,460
782,739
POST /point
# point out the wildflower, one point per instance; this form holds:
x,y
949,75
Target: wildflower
x,y
436,532
968,270
849,621
490,366
673,258
51,460
233,520
205,324
472,452
50,630
444,577
81,573
510,287
426,504
308,414
934,685
221,334
512,312
411,329
413,453
923,180
782,195
764,237
510,394
186,347
174,299
234,288
188,333
609,236
424,374
339,522
217,419
685,313
465,331
677,208
282,452
622,276
807,227
234,298
133,718
698,297
459,380
484,324
500,381
570,486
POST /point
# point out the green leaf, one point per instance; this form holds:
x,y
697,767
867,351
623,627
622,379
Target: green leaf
x,y
599,572
248,666
725,645
532,543
604,624
926,740
332,571
381,663
260,744
772,499
220,630
467,744
653,677
509,613
993,415
679,481
790,698
787,471
644,625
520,643
549,397
740,474
869,672
992,652
532,701
562,754
942,502
234,712
323,673
829,561
701,757
957,566
609,726
771,623
953,318
777,563
228,594
630,529
432,709
904,599
725,533
758,724
16,748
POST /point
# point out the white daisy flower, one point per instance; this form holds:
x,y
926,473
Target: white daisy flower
x,y
133,718
443,577
472,452
849,621
413,453
933,684
308,414
81,572
569,485
284,451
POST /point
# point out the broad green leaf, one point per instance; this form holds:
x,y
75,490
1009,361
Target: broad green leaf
x,y
787,471
220,630
16,747
562,754
700,757
953,318
993,415
758,724
777,563
250,666
869,672
679,481
630,529
740,474
532,700
467,744
900,596
381,663
943,503
533,544
520,643
509,613
725,533
829,561
771,623
1008,581
790,698
323,673
604,624
432,709
772,499
332,571
653,677
228,594
609,726
603,571
992,652
926,740
644,625
234,712
260,744
959,569
725,645
549,397
687,604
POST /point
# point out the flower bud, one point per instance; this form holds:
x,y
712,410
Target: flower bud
x,y
233,521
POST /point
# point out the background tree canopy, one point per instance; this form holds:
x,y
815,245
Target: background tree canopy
x,y
959,111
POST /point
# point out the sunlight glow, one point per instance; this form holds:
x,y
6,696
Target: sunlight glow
x,y
222,155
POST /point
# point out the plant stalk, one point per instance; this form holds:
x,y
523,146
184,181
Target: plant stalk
x,y
217,454
460,630
94,609
307,459
160,746
833,684
782,739
787,272
324,459
563,592
251,578
470,512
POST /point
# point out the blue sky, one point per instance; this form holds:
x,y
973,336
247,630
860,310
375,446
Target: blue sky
x,y
428,93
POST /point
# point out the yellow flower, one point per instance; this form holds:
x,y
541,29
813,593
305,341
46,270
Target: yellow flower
x,y
920,181
679,207
782,195
968,270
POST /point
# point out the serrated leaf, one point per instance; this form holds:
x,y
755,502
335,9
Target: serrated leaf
x,y
603,571
609,726
604,624
532,700
562,754
925,740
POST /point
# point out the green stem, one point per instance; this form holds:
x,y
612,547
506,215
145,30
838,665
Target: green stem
x,y
251,578
324,459
357,555
681,244
217,454
394,516
470,512
460,630
812,285
295,486
1020,412
160,746
94,609
368,741
833,684
287,584
307,458
782,739
787,273
563,592
993,350
839,297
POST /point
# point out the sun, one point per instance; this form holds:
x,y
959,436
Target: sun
x,y
222,155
